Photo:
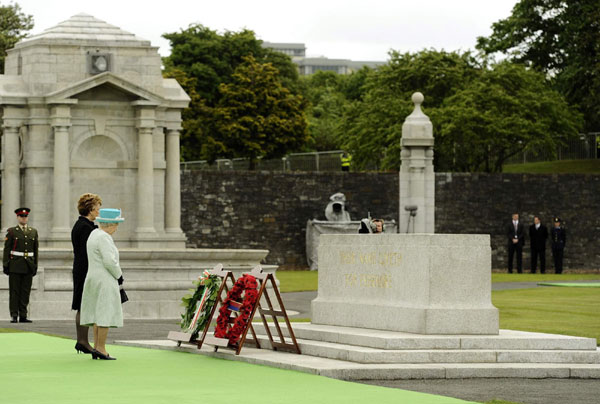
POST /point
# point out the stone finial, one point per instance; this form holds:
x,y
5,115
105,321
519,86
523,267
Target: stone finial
x,y
417,98
417,124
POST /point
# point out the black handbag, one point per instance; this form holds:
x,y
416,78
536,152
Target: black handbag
x,y
124,297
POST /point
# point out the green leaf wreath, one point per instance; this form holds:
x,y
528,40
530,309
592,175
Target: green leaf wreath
x,y
211,284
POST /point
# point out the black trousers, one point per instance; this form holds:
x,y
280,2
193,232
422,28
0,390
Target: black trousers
x,y
512,248
557,254
19,290
534,257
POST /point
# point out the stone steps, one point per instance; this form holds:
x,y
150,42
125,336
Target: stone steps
x,y
346,370
357,354
391,340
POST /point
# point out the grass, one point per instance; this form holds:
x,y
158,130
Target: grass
x,y
506,277
568,311
556,167
297,281
302,281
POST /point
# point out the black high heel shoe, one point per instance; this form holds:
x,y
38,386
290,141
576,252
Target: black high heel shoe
x,y
100,355
82,348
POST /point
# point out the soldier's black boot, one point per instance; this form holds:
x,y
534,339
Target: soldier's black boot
x,y
14,319
24,320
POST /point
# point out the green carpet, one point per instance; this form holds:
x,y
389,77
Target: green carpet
x,y
38,369
572,284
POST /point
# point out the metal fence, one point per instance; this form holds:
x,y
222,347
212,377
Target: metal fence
x,y
313,161
581,148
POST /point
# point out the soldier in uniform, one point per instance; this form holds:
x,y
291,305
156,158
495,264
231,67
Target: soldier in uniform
x,y
20,264
559,240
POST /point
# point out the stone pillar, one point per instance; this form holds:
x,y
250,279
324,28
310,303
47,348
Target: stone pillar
x,y
417,177
146,124
172,184
60,118
11,178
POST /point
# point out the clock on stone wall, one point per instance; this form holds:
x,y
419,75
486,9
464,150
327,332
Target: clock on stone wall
x,y
99,63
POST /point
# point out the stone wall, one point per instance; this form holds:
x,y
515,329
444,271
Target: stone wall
x,y
483,203
270,210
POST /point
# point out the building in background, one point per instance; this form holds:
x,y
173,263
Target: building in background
x,y
311,65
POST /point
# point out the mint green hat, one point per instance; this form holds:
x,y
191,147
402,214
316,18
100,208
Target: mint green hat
x,y
110,216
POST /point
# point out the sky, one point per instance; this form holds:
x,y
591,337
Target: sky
x,y
349,29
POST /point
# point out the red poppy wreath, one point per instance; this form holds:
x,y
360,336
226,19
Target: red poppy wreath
x,y
247,284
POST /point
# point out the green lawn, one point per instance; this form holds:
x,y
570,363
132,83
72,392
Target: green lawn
x,y
506,277
301,281
569,311
556,167
297,281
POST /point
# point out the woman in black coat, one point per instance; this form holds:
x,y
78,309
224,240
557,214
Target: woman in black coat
x,y
88,207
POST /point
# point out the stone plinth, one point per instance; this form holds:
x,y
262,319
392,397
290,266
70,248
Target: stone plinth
x,y
155,280
418,283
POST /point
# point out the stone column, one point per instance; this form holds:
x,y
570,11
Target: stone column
x,y
172,184
417,177
146,124
11,189
61,177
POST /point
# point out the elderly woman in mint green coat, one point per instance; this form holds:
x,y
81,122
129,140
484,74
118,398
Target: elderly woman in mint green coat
x,y
101,301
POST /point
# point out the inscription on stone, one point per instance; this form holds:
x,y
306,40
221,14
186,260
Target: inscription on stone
x,y
387,260
384,259
382,281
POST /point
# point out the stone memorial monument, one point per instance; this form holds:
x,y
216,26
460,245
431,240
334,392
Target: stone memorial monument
x,y
85,108
417,283
417,178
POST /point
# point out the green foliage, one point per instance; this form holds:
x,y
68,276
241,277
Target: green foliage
x,y
211,283
561,38
14,25
256,115
206,64
373,124
481,114
506,110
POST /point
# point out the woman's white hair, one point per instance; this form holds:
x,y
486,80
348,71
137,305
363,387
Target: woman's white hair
x,y
104,225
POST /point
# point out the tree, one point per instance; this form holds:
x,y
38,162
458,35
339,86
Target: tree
x,y
506,110
256,116
560,38
372,124
203,60
14,25
481,114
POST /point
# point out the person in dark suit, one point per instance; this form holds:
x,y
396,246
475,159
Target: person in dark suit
x,y
538,234
89,208
515,234
559,240
20,262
